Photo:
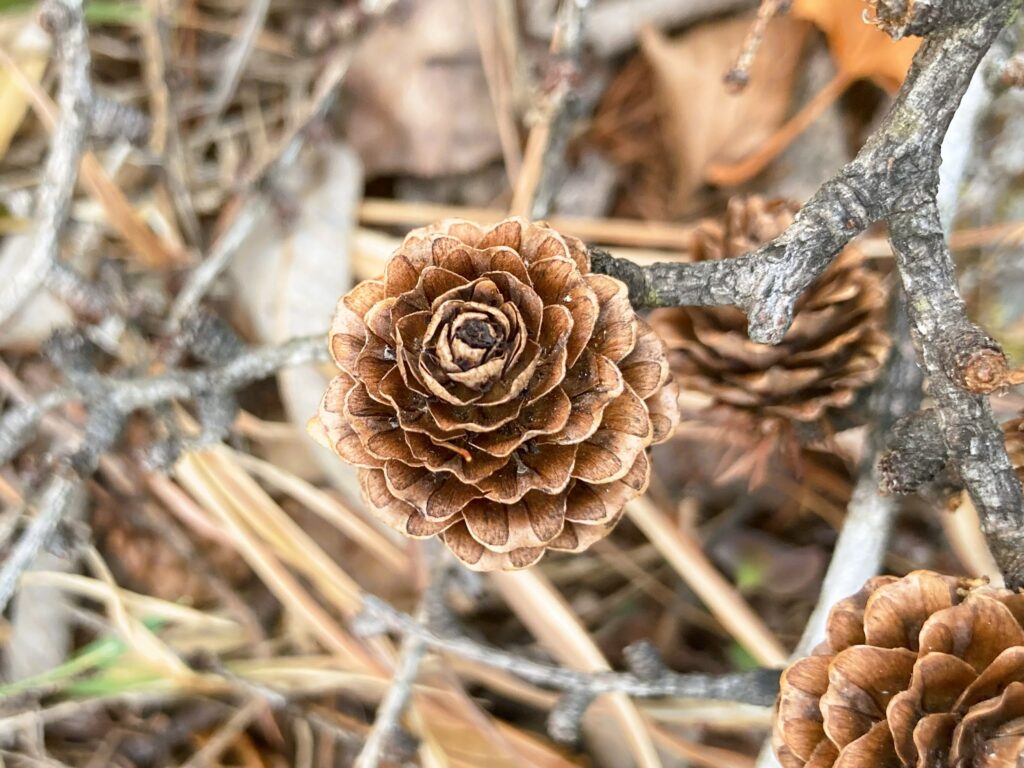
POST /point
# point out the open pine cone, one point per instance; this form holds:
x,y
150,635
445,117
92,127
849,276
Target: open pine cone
x,y
835,347
921,671
495,393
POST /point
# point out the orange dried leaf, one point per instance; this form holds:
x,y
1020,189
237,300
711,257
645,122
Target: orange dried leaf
x,y
861,50
702,122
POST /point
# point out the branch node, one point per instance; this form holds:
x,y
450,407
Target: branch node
x,y
976,363
915,454
905,18
565,721
644,661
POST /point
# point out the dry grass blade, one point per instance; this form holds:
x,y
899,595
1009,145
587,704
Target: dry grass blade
x,y
265,517
683,551
642,234
963,531
151,250
193,474
222,486
134,633
546,614
346,519
701,754
212,750
140,606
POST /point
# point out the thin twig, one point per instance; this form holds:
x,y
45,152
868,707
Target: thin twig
x,y
235,60
251,212
131,394
738,75
67,19
51,504
389,713
758,688
544,151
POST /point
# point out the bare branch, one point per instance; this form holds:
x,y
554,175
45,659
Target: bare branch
x,y
51,504
128,395
902,154
972,437
67,20
758,688
895,177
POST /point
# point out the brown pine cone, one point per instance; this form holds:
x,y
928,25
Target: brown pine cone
x,y
144,561
495,393
835,347
924,670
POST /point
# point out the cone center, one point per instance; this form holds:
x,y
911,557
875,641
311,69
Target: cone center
x,y
477,334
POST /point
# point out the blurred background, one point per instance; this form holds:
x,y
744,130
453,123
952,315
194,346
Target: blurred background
x,y
246,161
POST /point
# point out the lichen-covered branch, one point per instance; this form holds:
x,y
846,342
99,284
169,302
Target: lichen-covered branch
x,y
894,178
125,396
901,18
972,438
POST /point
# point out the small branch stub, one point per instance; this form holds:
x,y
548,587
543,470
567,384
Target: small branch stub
x,y
903,18
977,364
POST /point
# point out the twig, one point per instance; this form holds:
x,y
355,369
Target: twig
x,y
236,58
252,210
758,688
738,75
393,704
128,395
545,145
67,20
51,504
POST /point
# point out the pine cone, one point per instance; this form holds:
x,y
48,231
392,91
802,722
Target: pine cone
x,y
923,670
144,561
495,393
835,346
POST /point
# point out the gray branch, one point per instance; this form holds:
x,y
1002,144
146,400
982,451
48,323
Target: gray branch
x,y
758,688
51,504
894,178
127,395
67,21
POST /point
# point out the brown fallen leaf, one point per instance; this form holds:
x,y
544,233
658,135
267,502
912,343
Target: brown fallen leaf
x,y
702,122
861,52
419,102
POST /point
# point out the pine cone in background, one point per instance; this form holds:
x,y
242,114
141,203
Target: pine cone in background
x,y
495,393
835,347
143,560
923,670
